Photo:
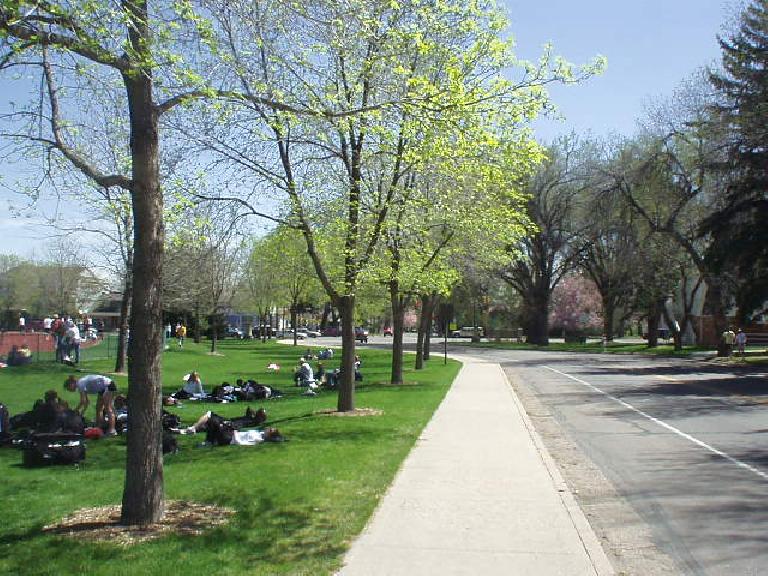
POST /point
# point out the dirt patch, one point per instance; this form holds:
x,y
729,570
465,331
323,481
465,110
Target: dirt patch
x,y
102,524
355,412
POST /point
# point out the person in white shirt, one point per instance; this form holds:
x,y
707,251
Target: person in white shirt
x,y
104,388
249,437
73,341
741,342
47,321
193,385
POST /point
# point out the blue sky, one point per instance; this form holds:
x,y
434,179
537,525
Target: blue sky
x,y
651,46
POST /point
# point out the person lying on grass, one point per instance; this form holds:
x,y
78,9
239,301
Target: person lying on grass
x,y
219,431
105,389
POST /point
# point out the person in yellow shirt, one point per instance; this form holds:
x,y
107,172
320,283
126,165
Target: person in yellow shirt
x,y
181,333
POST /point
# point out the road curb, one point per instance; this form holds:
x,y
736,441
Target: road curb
x,y
589,540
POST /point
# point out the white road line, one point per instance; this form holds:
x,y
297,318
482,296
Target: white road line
x,y
663,424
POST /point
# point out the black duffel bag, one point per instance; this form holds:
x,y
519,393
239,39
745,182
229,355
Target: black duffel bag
x,y
56,448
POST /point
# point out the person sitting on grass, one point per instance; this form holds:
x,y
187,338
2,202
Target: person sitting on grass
x,y
19,355
193,385
105,389
222,432
304,376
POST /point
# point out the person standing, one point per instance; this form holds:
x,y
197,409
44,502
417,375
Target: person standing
x,y
181,333
22,323
47,322
73,341
56,327
729,336
104,388
741,343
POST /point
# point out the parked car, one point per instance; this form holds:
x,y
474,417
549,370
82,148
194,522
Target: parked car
x,y
233,332
332,331
361,334
387,331
299,334
312,333
469,332
268,331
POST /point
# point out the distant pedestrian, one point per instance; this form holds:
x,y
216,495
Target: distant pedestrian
x,y
73,342
729,336
181,333
22,324
741,342
47,321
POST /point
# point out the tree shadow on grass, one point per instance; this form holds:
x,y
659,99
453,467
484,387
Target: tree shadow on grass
x,y
263,531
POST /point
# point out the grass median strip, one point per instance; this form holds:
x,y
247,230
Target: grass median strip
x,y
297,505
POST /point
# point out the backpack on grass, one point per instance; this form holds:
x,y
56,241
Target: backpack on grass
x,y
57,448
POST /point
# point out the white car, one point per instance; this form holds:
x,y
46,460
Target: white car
x,y
299,334
312,333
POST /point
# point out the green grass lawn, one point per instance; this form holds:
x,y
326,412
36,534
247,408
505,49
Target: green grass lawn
x,y
299,504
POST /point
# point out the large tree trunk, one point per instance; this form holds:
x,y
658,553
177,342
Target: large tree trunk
x,y
143,498
398,319
609,315
677,336
537,317
653,325
346,400
125,313
714,305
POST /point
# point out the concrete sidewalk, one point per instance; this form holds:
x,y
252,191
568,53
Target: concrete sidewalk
x,y
478,495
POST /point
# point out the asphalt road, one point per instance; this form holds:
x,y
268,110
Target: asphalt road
x,y
681,442
667,458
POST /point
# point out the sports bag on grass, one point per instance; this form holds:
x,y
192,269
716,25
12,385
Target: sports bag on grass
x,y
58,448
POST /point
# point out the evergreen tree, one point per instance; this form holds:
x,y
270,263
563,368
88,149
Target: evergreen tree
x,y
739,234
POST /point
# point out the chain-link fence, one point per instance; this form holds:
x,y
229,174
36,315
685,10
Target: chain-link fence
x,y
41,347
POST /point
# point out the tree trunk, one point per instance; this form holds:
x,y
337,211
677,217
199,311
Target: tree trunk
x,y
609,314
537,317
433,298
214,332
121,362
421,330
713,304
346,400
197,338
653,326
143,498
398,319
677,336
293,323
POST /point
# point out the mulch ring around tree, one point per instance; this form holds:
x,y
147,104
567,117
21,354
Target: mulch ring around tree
x,y
355,412
102,524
